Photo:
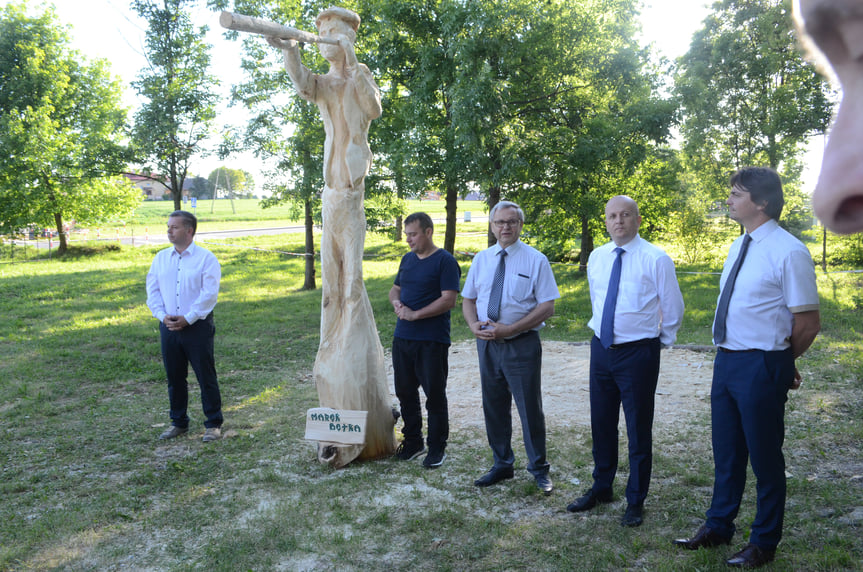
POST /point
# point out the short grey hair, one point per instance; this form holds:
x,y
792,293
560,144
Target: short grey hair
x,y
506,205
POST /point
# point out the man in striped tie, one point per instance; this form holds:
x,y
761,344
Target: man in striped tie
x,y
508,294
637,309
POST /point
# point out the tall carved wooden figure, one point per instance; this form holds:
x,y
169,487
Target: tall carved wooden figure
x,y
349,368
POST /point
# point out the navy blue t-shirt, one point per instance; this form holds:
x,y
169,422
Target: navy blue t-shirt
x,y
421,282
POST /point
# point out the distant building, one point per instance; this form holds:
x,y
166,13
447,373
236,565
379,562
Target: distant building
x,y
151,189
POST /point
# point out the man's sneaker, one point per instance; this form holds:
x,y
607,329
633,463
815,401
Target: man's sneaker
x,y
212,434
434,459
408,451
174,431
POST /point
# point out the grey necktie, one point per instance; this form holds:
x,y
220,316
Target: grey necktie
x,y
497,288
725,297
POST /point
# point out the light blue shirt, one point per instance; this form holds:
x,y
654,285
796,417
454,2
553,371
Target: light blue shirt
x,y
184,284
775,281
528,282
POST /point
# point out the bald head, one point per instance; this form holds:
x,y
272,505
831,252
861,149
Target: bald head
x,y
622,219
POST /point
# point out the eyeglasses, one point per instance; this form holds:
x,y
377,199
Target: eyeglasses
x,y
512,223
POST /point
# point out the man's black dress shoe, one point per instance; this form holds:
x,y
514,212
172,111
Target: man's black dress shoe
x,y
704,538
494,476
752,556
633,516
589,500
544,484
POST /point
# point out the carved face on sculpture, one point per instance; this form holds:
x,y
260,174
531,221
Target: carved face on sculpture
x,y
332,23
833,31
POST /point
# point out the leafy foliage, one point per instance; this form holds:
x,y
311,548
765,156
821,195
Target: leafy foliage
x,y
748,95
171,126
62,130
237,182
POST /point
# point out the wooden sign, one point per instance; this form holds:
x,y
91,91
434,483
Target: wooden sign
x,y
336,426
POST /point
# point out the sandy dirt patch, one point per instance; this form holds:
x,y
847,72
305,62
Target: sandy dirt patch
x,y
683,389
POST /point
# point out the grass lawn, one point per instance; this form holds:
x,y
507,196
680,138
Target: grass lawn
x,y
87,486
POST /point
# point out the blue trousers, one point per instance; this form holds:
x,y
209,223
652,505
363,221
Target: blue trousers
x,y
191,345
511,370
624,375
747,409
422,364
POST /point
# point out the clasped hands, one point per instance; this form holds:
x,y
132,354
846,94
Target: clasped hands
x,y
175,323
403,312
491,330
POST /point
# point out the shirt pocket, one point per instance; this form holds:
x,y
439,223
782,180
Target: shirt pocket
x,y
522,289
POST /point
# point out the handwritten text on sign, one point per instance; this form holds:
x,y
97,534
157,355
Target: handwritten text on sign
x,y
336,425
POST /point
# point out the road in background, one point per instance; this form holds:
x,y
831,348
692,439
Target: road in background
x,y
203,236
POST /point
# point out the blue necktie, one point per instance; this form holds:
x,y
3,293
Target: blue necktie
x,y
725,297
497,288
606,329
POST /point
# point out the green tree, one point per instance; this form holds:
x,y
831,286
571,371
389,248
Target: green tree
x,y
62,130
748,95
174,121
540,101
236,181
411,52
200,188
283,128
600,118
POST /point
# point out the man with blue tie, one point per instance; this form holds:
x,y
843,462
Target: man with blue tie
x,y
508,294
766,317
637,309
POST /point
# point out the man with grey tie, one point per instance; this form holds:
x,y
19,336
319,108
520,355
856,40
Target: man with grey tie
x,y
766,317
508,294
637,308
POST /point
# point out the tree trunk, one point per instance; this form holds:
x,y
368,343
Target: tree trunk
x,y
824,249
349,368
399,227
451,215
586,243
58,220
493,199
309,282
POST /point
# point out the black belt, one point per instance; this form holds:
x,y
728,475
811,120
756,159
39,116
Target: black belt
x,y
727,351
642,342
515,338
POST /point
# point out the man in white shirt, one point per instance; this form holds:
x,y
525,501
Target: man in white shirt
x,y
508,294
182,288
766,317
637,309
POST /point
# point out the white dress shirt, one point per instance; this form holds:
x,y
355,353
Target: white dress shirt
x,y
776,280
184,284
528,282
649,302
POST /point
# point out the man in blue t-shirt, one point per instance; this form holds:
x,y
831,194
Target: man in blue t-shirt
x,y
423,293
